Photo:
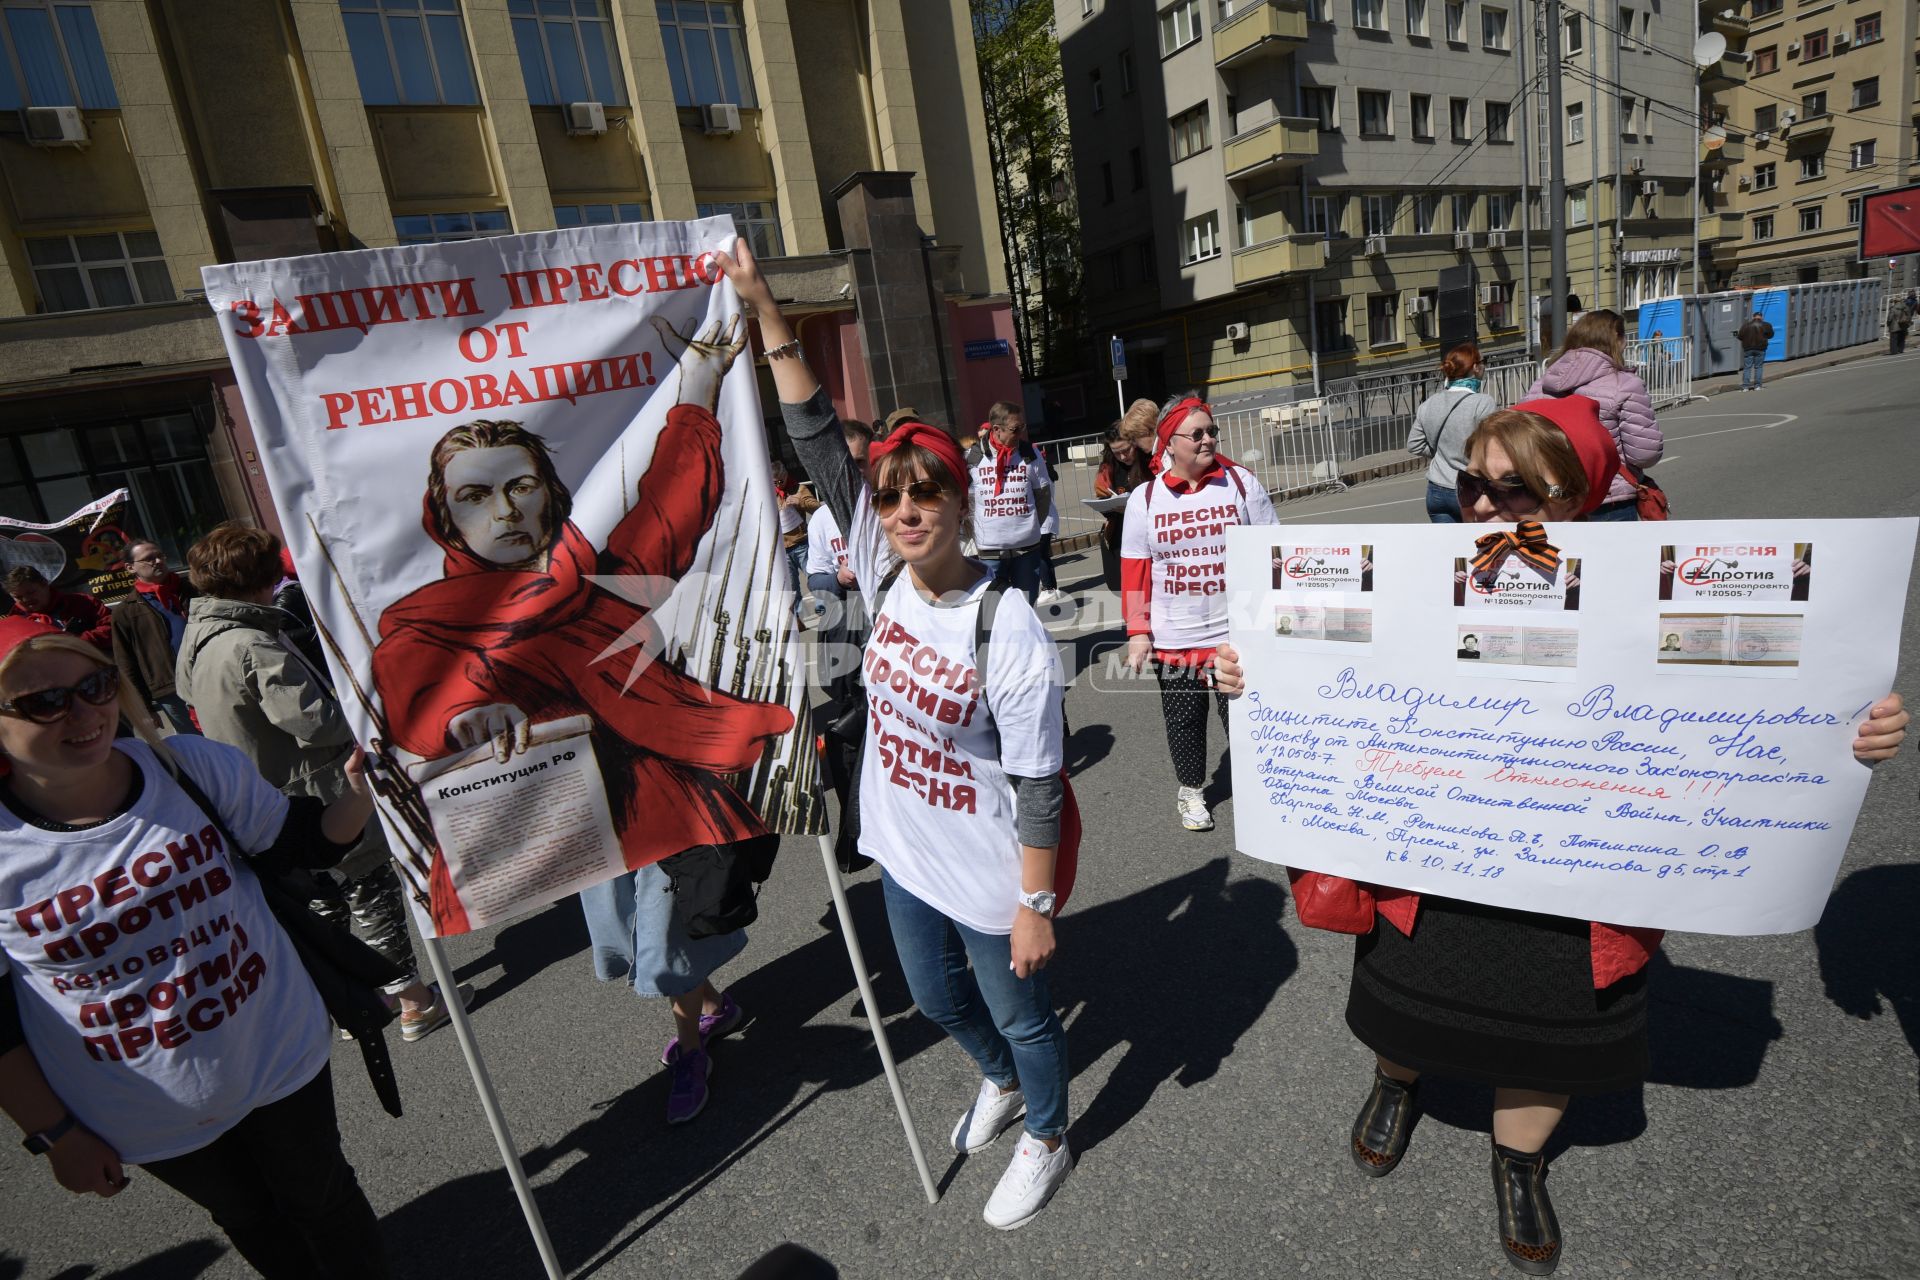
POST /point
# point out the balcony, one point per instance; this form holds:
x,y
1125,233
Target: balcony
x,y
1724,225
1728,73
1731,151
1730,24
1282,143
1809,128
1287,255
1265,28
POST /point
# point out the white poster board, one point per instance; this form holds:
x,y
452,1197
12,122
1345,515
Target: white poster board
x,y
1657,731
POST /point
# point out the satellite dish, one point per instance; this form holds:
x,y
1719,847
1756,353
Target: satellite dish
x,y
1716,137
1709,49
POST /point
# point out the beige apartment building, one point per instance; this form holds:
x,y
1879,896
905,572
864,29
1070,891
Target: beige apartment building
x,y
1824,114
1270,185
144,139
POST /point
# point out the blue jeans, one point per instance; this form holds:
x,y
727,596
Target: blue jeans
x,y
1443,504
1007,1024
796,571
1022,570
1753,367
1626,509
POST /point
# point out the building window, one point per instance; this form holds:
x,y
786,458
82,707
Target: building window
x,y
1459,121
1370,15
1577,207
601,215
1420,108
1376,114
1202,238
1179,26
1810,217
1625,28
1319,11
1860,155
1462,213
85,273
1765,8
1383,319
1327,215
51,56
1500,310
1867,30
1243,219
1378,214
1099,93
1189,132
1765,177
1866,92
1646,117
1813,45
439,228
1812,167
1106,181
1426,211
757,221
1139,165
1330,325
567,52
1499,212
1147,264
1813,105
1576,34
1493,27
1126,71
1856,209
1765,118
1576,122
1417,17
1627,106
1456,22
1760,227
1321,106
706,51
1766,61
409,51
1117,270
1497,114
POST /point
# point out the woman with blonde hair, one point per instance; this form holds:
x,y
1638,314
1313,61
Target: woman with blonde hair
x,y
1124,466
1592,363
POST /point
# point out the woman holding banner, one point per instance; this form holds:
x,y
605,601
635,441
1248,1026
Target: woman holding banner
x,y
1540,1007
962,802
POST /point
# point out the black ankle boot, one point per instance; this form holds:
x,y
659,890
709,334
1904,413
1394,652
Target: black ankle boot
x,y
1528,1230
1384,1125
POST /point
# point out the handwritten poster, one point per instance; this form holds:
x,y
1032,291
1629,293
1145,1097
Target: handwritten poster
x,y
525,482
1614,732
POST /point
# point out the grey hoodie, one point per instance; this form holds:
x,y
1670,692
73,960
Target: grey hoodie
x,y
1441,426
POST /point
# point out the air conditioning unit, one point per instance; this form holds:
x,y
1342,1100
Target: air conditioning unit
x,y
1489,294
1463,239
586,119
1376,245
1637,163
1419,304
720,118
1237,332
1841,38
1746,182
1496,239
1649,188
55,126
1793,48
1762,138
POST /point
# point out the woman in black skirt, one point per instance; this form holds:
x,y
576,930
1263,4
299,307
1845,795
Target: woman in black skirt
x,y
1540,1007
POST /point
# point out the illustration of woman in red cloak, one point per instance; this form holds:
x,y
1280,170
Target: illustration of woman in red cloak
x,y
517,633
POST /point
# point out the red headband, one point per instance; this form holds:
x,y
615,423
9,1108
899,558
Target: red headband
x,y
18,628
1173,418
931,438
1578,418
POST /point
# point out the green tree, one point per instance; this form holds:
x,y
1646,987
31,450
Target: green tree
x,y
1023,92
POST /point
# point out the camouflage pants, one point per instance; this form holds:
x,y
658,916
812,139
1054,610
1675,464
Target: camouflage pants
x,y
373,905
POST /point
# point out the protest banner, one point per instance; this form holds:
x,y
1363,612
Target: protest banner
x,y
526,484
1639,724
87,551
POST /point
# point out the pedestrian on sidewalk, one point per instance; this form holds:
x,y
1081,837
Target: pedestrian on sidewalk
x,y
227,1101
1754,336
1012,495
147,627
1539,1007
1899,320
1173,582
75,612
1124,467
1442,424
1592,363
968,878
796,505
253,690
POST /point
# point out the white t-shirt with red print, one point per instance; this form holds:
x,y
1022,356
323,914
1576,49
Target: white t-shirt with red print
x,y
1010,519
936,808
826,549
1173,553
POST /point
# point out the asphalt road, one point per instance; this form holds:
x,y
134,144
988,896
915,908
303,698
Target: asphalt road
x,y
1214,1076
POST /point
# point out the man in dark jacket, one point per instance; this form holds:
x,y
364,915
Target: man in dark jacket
x,y
74,612
146,634
1754,336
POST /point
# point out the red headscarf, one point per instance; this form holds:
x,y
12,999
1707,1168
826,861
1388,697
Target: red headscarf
x,y
1578,418
931,438
1170,421
18,628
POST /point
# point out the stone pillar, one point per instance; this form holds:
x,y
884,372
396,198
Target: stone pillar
x,y
896,117
343,138
783,126
655,120
503,92
902,315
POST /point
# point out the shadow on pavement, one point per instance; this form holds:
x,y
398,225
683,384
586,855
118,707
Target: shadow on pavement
x,y
1087,746
182,1262
1869,949
529,945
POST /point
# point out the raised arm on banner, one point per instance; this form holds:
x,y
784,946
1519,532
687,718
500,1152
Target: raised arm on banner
x,y
703,361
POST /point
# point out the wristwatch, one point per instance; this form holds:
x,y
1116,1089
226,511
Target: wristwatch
x,y
38,1144
1042,902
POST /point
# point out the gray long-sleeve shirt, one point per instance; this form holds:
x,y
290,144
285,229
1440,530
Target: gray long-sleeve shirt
x,y
1441,426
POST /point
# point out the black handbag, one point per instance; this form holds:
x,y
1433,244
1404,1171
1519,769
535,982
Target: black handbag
x,y
715,886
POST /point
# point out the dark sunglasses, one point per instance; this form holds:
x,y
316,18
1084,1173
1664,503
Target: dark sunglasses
x,y
925,493
1201,433
46,706
1514,499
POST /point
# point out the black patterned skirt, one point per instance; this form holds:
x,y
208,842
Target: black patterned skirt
x,y
1498,997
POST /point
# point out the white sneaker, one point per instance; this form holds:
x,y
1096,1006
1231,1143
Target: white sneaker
x,y
1193,810
992,1111
1029,1182
1051,596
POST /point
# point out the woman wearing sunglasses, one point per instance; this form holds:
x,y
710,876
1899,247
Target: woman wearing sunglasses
x,y
960,794
1539,1007
1173,573
155,1013
1124,467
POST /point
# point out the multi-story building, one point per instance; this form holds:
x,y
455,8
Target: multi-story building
x,y
145,139
1262,181
1823,114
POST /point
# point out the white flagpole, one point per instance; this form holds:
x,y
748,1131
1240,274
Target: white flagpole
x,y
496,1119
859,962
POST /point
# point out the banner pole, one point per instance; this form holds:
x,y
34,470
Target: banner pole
x,y
859,962
490,1104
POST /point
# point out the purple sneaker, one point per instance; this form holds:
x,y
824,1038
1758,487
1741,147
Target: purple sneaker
x,y
687,1085
712,1027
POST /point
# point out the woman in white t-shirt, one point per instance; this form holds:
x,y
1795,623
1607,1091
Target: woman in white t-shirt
x,y
960,788
152,1010
1173,581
